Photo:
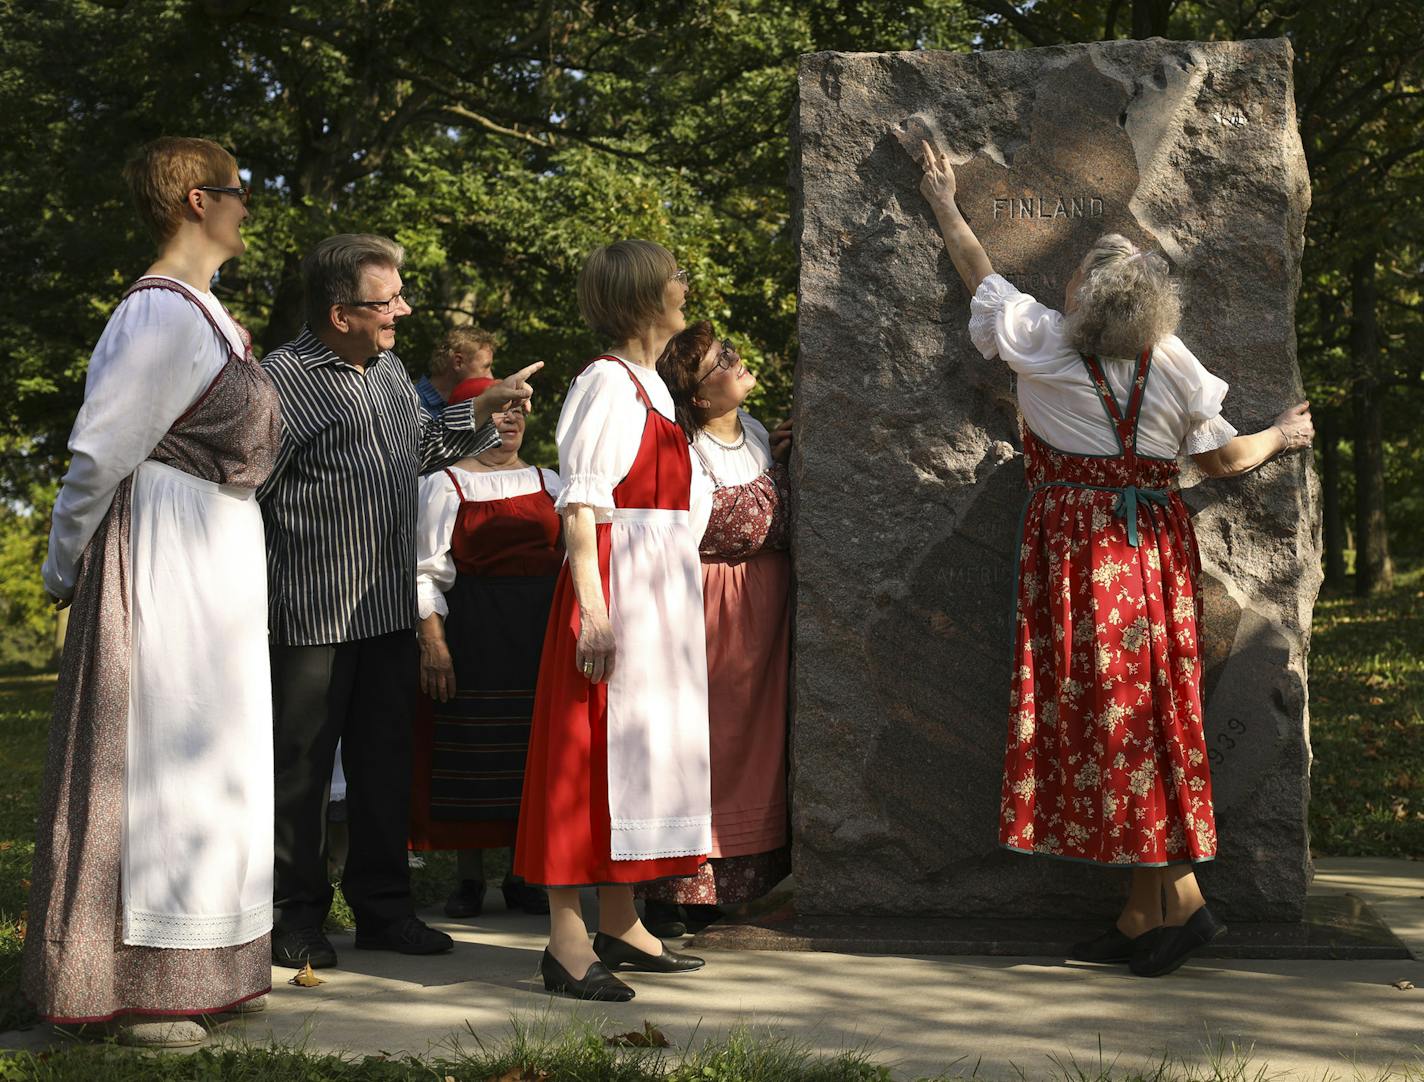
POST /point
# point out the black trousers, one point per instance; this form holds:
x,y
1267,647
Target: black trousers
x,y
363,694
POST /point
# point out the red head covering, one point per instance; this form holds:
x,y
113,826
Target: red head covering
x,y
471,388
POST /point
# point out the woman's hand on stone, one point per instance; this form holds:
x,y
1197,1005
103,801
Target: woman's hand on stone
x,y
595,652
437,669
1296,428
779,439
938,184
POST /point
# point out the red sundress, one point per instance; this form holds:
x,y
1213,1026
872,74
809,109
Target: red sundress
x,y
565,826
1106,760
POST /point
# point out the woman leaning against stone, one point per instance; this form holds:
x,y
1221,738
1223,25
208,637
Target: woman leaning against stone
x,y
1106,759
152,896
746,591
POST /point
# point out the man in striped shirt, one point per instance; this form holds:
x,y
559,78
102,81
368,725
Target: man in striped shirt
x,y
340,512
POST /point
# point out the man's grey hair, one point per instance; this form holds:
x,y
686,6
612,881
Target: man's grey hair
x,y
1127,300
331,272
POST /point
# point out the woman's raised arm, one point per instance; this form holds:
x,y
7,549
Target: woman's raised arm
x,y
938,187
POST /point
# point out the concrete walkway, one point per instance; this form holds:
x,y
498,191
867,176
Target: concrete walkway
x,y
920,1015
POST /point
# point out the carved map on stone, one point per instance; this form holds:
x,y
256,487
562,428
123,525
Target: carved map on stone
x,y
908,455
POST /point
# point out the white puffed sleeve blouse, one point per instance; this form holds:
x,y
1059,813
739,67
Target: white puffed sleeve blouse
x,y
156,356
1181,404
435,522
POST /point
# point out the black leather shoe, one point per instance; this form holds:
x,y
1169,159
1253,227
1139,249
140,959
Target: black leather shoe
x,y
520,895
409,935
701,916
664,919
613,952
597,983
296,947
467,899
1114,946
1177,944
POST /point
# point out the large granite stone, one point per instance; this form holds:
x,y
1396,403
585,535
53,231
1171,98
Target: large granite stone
x,y
909,468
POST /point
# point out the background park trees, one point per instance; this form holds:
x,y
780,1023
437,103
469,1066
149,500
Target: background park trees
x,y
500,140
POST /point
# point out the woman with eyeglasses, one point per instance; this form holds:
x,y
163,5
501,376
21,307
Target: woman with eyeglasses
x,y
746,591
151,901
616,787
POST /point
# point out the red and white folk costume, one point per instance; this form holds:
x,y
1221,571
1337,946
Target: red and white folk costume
x,y
617,785
489,545
1106,760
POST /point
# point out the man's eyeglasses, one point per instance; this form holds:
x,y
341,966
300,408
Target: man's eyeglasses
x,y
242,192
680,276
382,307
726,359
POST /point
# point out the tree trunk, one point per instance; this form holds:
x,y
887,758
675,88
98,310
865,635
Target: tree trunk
x,y
1334,522
1372,564
1150,18
287,315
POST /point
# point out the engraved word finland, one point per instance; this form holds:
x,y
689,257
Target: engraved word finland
x,y
1039,206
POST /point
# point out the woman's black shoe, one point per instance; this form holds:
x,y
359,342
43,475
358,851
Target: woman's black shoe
x,y
1114,946
700,916
467,900
664,919
597,983
520,895
613,952
1177,944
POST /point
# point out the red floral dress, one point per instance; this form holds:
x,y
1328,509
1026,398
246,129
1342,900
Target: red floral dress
x,y
1106,761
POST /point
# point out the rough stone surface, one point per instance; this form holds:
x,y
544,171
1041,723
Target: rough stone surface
x,y
909,467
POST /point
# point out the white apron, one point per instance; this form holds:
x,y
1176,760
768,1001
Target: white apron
x,y
197,826
659,766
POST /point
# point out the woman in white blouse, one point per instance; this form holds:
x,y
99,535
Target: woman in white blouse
x,y
489,544
616,788
151,902
1106,762
746,595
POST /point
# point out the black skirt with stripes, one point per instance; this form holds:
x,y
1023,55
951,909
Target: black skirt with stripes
x,y
495,631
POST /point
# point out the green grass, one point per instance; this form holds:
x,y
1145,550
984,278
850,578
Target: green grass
x,y
558,1050
24,722
1367,723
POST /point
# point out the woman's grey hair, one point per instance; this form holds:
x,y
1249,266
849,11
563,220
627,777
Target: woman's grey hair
x,y
331,272
1127,300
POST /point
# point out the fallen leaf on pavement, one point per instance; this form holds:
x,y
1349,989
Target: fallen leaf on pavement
x,y
649,1037
307,978
1404,986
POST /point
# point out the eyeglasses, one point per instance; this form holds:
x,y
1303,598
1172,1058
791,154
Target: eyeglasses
x,y
726,359
382,307
680,276
242,192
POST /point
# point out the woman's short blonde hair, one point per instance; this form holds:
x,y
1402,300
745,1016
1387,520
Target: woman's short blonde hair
x,y
1127,300
164,171
621,287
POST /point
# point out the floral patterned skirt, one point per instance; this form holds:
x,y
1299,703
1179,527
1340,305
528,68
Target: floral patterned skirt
x,y
1106,760
724,880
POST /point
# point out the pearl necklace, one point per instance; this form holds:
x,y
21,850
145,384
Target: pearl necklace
x,y
735,446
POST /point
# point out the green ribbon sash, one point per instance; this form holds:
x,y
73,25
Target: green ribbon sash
x,y
1125,506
